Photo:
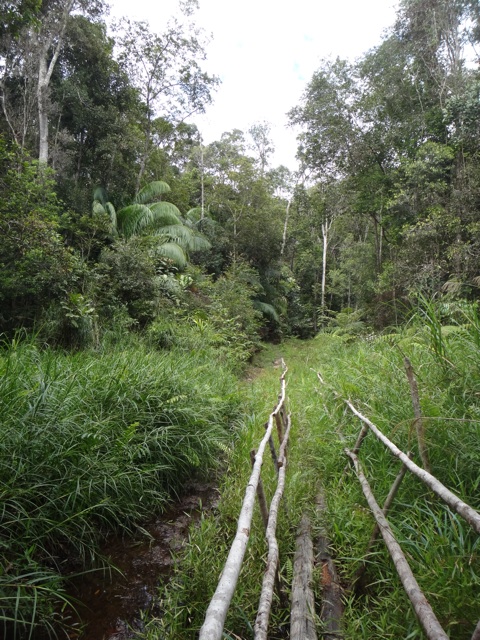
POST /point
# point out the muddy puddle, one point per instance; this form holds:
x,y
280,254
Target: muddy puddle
x,y
110,605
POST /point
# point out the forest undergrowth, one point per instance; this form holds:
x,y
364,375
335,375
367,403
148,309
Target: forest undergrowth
x,y
443,344
95,442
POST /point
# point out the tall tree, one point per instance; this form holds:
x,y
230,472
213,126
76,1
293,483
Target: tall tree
x,y
30,61
166,70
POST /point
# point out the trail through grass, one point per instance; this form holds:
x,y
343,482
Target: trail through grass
x,y
441,548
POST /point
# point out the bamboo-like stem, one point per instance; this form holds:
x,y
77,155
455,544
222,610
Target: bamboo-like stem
x,y
212,627
419,426
376,529
453,501
422,608
266,596
302,616
262,500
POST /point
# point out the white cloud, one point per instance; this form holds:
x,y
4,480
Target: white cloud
x,y
266,52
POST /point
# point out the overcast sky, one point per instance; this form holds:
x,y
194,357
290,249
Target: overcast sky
x,y
266,51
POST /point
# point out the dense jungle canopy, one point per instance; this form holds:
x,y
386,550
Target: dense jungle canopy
x,y
385,204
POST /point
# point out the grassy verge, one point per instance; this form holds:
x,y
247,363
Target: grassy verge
x,y
92,442
441,548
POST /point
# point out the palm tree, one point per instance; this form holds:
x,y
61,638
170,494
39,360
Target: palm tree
x,y
149,216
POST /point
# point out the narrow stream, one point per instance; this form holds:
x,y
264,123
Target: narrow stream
x,y
110,605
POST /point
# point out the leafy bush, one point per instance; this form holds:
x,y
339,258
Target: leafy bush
x,y
34,264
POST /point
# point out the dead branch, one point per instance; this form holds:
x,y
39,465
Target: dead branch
x,y
357,579
422,608
453,501
419,426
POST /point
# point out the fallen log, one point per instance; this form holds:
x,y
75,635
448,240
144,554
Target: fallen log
x,y
302,615
453,501
332,606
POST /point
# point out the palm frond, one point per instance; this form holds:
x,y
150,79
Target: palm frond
x,y
133,218
188,239
110,210
193,216
267,310
164,213
172,251
151,191
100,194
98,208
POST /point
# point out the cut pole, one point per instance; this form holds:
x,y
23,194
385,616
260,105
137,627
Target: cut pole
x,y
453,501
422,608
302,617
266,596
332,607
419,426
357,579
271,444
476,633
262,500
212,627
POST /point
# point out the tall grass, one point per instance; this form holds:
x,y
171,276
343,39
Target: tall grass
x,y
443,344
92,442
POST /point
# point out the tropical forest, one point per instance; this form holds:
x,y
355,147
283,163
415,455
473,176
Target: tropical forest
x,y
177,316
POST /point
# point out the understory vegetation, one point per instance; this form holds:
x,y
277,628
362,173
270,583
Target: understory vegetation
x,y
94,442
143,270
441,547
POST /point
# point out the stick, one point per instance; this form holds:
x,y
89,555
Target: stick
x,y
422,608
357,578
262,500
212,627
453,501
422,447
271,444
302,621
266,596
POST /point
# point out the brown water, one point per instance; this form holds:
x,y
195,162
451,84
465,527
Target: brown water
x,y
110,605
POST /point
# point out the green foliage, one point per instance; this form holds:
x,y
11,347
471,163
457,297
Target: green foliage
x,y
442,549
35,265
92,442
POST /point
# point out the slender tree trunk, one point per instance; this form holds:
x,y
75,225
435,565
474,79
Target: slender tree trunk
x,y
45,70
325,229
42,96
202,183
285,227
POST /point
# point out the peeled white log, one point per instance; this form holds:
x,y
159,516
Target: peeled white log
x,y
422,608
212,627
266,596
453,501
